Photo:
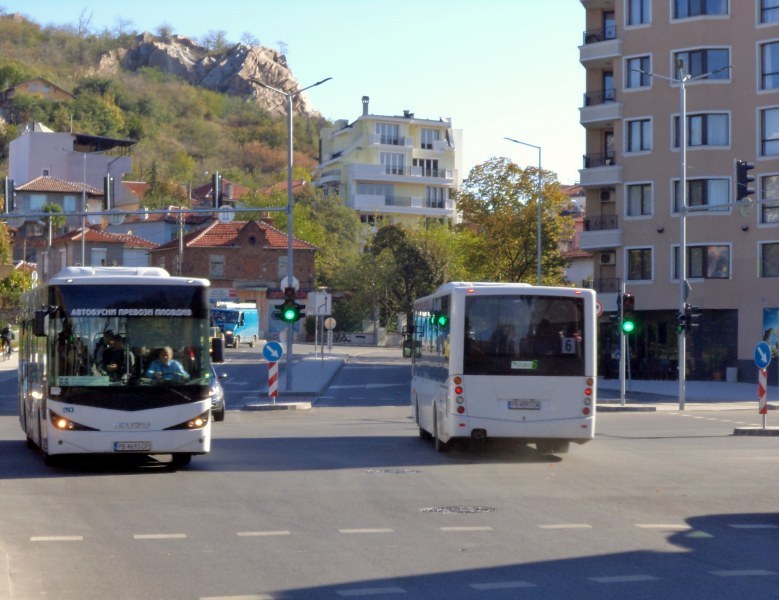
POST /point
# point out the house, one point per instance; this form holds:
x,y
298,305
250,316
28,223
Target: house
x,y
37,86
96,248
161,227
392,169
246,261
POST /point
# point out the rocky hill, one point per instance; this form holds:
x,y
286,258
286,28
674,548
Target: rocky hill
x,y
233,71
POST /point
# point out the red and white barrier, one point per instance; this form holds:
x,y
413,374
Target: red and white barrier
x,y
273,380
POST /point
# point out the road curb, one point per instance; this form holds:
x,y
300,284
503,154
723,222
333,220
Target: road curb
x,y
625,408
284,405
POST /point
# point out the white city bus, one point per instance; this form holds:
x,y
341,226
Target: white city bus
x,y
72,402
497,360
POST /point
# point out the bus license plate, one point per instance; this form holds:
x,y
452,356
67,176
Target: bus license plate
x,y
525,404
132,446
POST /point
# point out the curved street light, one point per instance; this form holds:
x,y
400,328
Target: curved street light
x,y
290,96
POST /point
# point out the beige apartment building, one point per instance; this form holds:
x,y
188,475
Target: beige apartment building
x,y
634,53
391,169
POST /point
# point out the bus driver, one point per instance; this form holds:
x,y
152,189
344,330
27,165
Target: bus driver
x,y
165,368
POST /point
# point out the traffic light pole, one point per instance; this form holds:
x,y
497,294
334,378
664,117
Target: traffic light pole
x,y
622,344
683,285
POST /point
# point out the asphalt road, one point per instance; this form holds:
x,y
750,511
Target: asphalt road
x,y
344,500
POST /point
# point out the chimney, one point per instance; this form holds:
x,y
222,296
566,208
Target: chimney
x,y
365,100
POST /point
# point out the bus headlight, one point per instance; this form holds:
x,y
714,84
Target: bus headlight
x,y
64,424
197,422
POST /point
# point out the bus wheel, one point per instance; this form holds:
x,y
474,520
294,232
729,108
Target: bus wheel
x,y
180,459
440,445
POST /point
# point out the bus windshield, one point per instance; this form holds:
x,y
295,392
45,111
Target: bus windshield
x,y
128,335
523,335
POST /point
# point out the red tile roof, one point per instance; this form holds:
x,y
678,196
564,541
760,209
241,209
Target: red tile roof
x,y
169,217
137,188
58,186
127,240
222,235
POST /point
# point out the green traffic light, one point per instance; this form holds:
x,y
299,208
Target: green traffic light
x,y
289,314
443,320
628,326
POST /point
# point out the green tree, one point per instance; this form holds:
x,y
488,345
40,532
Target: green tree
x,y
498,203
13,286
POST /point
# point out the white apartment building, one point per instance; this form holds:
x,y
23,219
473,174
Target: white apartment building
x,y
634,53
392,169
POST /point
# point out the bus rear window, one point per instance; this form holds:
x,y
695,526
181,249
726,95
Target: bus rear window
x,y
523,335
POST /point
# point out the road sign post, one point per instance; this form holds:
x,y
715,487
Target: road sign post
x,y
272,352
762,360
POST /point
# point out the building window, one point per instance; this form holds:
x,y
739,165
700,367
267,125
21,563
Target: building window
x,y
706,129
769,11
389,133
216,265
428,166
639,199
769,132
638,69
705,262
392,163
70,203
696,8
37,202
435,197
711,193
769,194
428,137
639,135
640,264
711,62
769,259
98,256
769,66
638,12
376,189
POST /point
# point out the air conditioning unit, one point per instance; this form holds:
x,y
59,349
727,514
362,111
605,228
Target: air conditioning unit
x,y
608,258
606,196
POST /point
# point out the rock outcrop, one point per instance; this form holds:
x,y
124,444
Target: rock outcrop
x,y
234,71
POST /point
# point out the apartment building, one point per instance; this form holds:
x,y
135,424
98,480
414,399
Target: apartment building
x,y
635,52
391,169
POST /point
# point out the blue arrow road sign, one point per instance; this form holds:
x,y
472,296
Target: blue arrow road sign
x,y
273,351
762,355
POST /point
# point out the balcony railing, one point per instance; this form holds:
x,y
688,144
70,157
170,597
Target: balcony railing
x,y
597,97
606,285
599,159
602,34
601,223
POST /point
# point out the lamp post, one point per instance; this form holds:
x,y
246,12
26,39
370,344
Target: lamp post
x,y
684,286
538,200
290,96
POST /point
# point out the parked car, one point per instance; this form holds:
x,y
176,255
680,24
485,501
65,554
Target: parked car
x,y
217,395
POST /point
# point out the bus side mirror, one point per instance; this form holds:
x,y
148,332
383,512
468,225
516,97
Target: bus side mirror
x,y
217,350
40,324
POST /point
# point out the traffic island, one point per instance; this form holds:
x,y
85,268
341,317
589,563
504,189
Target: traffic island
x,y
286,403
618,407
763,431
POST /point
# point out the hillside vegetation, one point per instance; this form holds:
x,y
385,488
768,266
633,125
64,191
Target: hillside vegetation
x,y
183,131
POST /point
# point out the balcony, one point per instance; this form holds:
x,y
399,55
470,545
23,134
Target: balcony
x,y
600,233
329,176
599,4
600,108
384,140
409,205
600,169
418,175
600,47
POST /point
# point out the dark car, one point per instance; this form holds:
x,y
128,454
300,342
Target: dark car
x,y
217,395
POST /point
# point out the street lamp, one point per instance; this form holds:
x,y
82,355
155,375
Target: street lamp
x,y
684,286
538,193
290,96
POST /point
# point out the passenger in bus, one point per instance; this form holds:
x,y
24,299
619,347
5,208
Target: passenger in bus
x,y
165,368
117,361
546,341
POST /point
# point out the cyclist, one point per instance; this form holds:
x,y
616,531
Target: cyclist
x,y
6,335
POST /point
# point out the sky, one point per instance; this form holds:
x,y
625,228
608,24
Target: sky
x,y
497,68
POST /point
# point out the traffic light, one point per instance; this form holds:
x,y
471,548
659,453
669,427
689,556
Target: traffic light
x,y
743,179
693,316
439,319
216,188
628,318
9,193
680,323
108,192
290,311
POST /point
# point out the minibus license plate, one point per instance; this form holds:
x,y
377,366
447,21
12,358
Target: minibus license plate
x,y
132,446
525,404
